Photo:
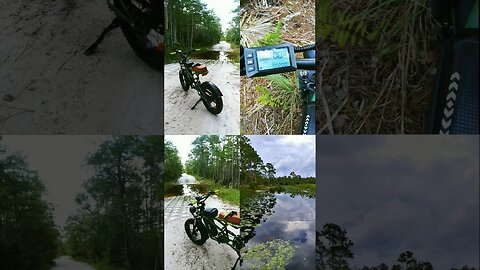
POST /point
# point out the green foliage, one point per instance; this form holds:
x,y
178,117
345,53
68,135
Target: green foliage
x,y
190,24
173,164
172,189
336,251
233,32
340,26
217,158
283,92
28,236
266,97
228,194
274,254
272,38
379,23
119,222
234,54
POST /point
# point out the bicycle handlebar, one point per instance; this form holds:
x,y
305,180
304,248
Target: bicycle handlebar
x,y
302,63
184,53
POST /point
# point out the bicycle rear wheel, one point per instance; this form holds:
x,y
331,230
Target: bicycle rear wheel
x,y
146,35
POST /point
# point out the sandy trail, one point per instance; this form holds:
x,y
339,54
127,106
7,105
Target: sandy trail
x,y
48,86
180,252
180,119
67,263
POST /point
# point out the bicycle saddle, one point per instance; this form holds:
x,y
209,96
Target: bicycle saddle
x,y
231,217
189,63
211,212
198,68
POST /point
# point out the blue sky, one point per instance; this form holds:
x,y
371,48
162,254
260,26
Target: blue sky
x,y
287,153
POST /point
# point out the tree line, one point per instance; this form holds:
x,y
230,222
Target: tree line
x,y
217,158
120,217
28,235
227,160
334,250
189,24
232,34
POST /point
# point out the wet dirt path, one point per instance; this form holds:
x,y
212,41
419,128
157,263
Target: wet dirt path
x,y
67,263
180,119
48,86
180,252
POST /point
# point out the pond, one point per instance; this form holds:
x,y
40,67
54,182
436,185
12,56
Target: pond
x,y
267,216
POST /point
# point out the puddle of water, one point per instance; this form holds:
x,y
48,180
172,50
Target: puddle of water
x,y
187,191
288,217
204,54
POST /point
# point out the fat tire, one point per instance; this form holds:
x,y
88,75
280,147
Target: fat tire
x,y
150,56
209,90
201,229
183,82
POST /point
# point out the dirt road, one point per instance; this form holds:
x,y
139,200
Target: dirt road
x,y
48,86
180,119
180,252
67,263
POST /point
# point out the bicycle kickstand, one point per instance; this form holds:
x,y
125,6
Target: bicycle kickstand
x,y
193,108
114,24
239,259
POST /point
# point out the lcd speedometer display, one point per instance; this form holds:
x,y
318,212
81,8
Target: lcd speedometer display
x,y
273,59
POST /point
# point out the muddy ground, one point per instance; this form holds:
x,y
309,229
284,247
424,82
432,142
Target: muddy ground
x,y
180,252
48,86
180,119
67,263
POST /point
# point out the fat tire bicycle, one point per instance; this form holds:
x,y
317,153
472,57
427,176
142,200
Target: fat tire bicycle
x,y
189,76
142,23
209,223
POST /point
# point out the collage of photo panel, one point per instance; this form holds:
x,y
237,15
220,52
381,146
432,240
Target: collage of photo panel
x,y
239,134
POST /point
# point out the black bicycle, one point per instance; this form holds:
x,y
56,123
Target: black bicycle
x,y
142,24
189,75
209,223
267,60
454,107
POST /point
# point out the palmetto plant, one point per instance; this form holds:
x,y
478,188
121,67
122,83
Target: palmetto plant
x,y
253,28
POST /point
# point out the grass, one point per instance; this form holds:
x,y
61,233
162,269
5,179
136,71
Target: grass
x,y
271,105
302,189
375,67
296,188
231,195
172,189
234,54
203,53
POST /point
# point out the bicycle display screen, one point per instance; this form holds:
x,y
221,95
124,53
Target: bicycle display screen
x,y
273,58
261,61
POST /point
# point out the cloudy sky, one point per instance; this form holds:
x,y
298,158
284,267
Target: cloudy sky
x,y
59,161
287,153
223,9
398,193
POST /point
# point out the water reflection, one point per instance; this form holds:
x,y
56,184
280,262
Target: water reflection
x,y
282,215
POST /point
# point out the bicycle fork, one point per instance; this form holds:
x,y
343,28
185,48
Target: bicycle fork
x,y
306,80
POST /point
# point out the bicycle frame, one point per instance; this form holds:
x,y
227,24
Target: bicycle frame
x,y
221,230
193,79
218,232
